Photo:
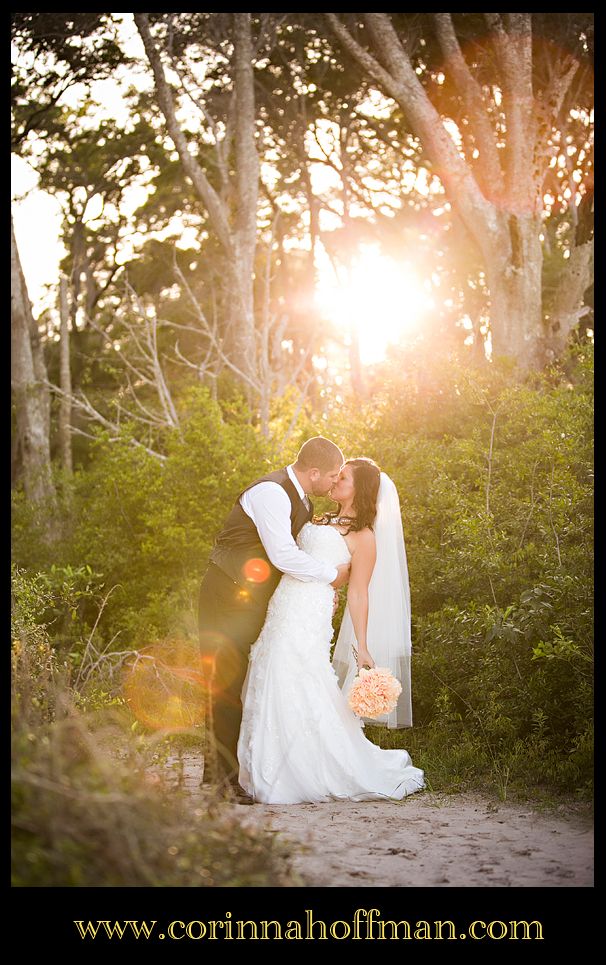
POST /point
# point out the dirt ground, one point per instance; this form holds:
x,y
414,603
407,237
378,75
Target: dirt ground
x,y
428,839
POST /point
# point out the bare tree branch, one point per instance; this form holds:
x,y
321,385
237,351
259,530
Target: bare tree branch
x,y
205,190
211,333
219,142
547,108
405,87
471,93
81,402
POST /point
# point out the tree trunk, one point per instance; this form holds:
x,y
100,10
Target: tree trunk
x,y
65,410
235,229
355,362
247,186
514,275
569,296
28,378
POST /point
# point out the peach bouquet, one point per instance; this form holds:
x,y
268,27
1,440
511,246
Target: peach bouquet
x,y
374,692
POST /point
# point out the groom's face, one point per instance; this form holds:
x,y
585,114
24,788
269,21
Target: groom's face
x,y
323,482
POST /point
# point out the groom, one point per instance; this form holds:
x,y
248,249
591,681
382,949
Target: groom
x,y
252,551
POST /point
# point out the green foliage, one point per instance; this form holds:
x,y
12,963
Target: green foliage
x,y
475,534
511,681
33,660
96,824
499,545
82,817
61,598
148,526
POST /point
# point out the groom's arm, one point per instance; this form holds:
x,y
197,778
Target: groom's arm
x,y
269,508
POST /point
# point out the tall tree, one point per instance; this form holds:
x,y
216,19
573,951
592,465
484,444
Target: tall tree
x,y
235,223
29,387
222,162
515,97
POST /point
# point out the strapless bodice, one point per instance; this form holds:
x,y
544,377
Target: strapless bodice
x,y
324,543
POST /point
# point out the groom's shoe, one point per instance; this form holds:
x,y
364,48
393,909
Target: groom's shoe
x,y
238,793
228,789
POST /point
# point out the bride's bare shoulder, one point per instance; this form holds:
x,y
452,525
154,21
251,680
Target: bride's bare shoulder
x,y
363,539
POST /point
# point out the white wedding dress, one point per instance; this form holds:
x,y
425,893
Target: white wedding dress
x,y
299,740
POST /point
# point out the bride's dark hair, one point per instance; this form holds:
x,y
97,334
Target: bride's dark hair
x,y
366,479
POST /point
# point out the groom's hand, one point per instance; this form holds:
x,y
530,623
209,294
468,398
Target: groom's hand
x,y
342,575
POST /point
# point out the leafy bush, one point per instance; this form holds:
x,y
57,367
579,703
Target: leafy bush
x,y
83,818
148,526
511,679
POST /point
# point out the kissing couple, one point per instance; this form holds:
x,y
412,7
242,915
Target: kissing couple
x,y
284,732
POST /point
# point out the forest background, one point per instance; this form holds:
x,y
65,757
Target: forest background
x,y
374,227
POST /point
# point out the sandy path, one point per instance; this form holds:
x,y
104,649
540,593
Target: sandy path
x,y
433,840
428,839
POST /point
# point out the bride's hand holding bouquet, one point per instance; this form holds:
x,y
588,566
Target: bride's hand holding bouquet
x,y
364,659
375,691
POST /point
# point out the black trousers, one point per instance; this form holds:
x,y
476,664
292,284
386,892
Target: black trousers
x,y
229,621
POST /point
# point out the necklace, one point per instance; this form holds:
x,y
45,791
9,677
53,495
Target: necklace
x,y
342,520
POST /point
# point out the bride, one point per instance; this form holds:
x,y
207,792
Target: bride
x,y
299,740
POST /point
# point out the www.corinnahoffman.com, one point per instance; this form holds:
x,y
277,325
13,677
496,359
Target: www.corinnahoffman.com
x,y
365,925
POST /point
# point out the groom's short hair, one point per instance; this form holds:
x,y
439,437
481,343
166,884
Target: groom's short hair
x,y
319,453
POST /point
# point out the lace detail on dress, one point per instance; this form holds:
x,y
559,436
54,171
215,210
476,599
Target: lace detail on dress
x,y
299,740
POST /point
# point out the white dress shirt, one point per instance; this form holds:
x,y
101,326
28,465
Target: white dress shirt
x,y
268,506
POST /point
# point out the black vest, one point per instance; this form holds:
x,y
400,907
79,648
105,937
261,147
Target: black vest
x,y
239,543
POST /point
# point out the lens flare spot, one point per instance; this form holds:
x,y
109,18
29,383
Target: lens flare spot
x,y
256,570
219,661
164,685
210,643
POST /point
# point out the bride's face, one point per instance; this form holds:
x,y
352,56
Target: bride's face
x,y
343,490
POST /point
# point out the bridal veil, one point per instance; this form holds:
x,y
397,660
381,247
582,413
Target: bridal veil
x,y
389,629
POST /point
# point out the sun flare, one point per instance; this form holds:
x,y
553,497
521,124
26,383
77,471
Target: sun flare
x,y
381,299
